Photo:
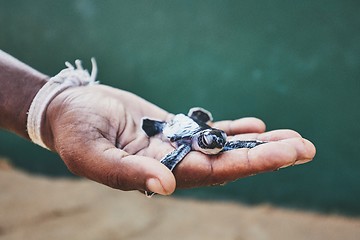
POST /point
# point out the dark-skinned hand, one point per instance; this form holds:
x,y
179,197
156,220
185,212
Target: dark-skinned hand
x,y
96,130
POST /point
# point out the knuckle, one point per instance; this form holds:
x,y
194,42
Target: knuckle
x,y
117,180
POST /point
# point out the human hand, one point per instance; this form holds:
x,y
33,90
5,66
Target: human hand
x,y
96,130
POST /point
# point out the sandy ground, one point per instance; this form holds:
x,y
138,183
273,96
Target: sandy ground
x,y
33,207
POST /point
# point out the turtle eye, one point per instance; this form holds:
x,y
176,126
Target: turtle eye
x,y
208,139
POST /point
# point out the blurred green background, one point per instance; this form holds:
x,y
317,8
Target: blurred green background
x,y
294,64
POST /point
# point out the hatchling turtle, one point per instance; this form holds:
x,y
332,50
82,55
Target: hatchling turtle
x,y
191,132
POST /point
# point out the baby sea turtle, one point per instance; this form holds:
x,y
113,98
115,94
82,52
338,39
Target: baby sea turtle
x,y
191,132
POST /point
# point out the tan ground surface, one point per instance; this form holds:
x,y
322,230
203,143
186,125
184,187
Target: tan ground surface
x,y
33,207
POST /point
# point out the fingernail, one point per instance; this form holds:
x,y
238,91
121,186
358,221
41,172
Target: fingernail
x,y
302,161
287,165
154,185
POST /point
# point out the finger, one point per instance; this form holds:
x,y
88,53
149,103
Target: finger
x,y
239,163
240,126
277,135
104,163
304,148
231,165
269,136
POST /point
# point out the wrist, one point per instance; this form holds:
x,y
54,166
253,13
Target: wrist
x,y
38,125
19,84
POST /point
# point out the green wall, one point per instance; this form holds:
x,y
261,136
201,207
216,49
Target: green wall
x,y
295,64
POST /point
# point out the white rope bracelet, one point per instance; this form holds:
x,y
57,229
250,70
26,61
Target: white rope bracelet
x,y
67,78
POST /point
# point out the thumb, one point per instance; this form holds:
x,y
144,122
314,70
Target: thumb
x,y
106,164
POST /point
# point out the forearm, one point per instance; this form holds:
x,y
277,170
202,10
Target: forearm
x,y
19,84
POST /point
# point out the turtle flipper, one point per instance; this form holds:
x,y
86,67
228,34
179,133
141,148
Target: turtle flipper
x,y
241,144
172,159
200,114
152,127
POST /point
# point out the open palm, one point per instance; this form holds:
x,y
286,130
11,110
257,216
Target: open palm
x,y
97,132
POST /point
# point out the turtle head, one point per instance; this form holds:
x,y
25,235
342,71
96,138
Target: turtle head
x,y
211,141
